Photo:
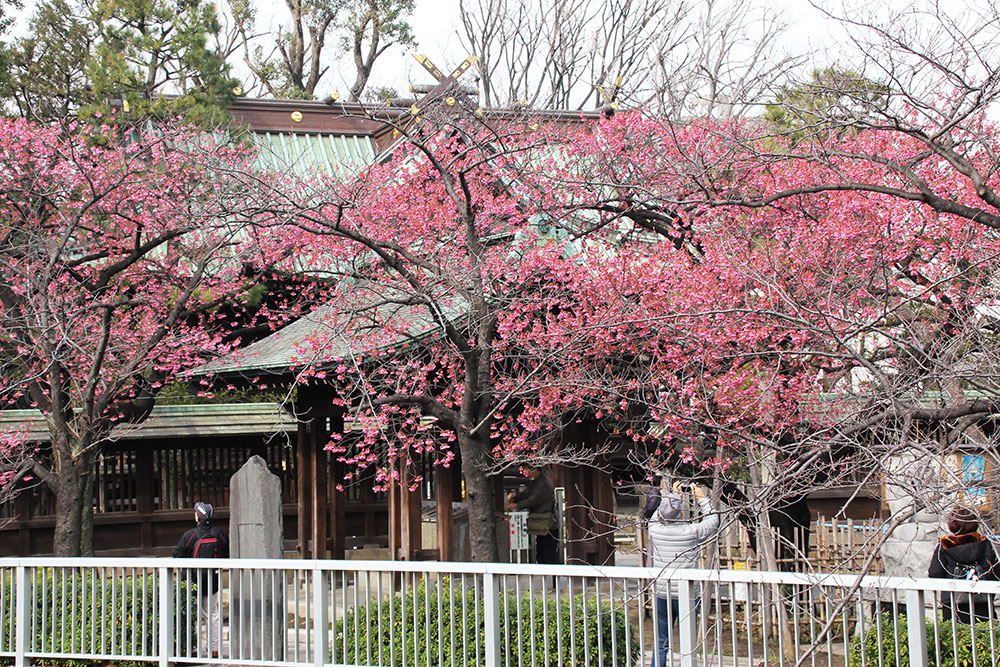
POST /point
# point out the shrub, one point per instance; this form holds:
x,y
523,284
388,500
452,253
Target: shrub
x,y
90,615
597,632
941,653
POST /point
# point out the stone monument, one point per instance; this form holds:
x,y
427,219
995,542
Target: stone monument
x,y
255,531
907,550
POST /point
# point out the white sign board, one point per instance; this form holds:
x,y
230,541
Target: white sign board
x,y
741,590
518,524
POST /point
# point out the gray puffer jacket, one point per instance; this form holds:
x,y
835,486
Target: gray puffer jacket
x,y
675,544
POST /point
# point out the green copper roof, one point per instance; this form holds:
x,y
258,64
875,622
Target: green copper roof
x,y
173,421
337,155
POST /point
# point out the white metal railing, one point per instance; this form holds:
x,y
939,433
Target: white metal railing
x,y
296,612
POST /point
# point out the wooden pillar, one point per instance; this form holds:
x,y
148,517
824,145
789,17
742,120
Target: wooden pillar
x,y
589,517
395,523
319,533
405,539
412,538
23,512
303,483
320,509
144,495
602,516
444,513
500,508
338,524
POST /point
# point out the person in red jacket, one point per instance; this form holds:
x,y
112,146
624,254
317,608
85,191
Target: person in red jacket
x,y
965,554
205,541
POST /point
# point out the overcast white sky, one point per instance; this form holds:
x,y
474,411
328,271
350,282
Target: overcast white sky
x,y
435,24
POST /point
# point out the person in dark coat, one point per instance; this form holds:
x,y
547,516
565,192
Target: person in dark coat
x,y
653,498
538,497
965,554
203,540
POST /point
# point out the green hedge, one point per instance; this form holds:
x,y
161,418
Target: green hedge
x,y
90,615
940,653
598,633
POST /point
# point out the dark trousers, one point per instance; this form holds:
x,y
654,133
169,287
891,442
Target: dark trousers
x,y
547,548
980,611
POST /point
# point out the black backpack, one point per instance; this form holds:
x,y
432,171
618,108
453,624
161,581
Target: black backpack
x,y
207,547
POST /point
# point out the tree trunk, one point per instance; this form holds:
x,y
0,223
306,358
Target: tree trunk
x,y
69,493
87,514
772,594
479,494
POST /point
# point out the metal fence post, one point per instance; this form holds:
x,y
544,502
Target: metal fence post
x,y
166,611
20,616
491,616
916,628
687,622
321,631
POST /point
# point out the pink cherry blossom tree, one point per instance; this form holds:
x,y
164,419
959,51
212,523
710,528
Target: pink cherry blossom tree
x,y
118,251
830,301
474,305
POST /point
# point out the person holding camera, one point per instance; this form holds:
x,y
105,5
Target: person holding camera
x,y
675,543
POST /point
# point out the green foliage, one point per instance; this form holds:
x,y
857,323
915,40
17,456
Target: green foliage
x,y
180,393
84,614
819,106
147,49
160,56
442,621
940,647
46,78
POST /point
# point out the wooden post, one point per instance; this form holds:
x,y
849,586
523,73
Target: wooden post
x,y
602,516
144,496
338,523
411,538
444,513
303,482
320,509
395,525
500,508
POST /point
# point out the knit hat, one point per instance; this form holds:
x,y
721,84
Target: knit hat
x,y
203,511
670,508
